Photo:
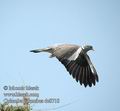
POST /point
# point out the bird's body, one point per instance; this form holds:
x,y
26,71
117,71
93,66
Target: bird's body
x,y
76,61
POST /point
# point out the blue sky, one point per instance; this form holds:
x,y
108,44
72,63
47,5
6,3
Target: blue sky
x,y
28,24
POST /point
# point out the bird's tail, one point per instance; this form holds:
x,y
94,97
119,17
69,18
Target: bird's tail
x,y
42,50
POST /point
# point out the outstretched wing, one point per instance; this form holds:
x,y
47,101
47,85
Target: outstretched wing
x,y
81,69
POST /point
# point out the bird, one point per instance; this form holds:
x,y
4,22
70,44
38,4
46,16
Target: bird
x,y
76,61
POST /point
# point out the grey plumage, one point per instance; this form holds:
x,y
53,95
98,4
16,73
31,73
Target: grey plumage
x,y
75,60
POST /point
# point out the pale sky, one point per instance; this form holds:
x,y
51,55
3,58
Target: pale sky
x,y
31,24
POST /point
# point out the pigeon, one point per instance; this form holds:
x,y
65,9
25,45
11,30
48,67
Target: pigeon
x,y
76,61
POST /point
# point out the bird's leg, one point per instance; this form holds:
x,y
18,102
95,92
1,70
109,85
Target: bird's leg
x,y
51,56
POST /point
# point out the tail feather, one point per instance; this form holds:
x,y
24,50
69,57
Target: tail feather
x,y
42,50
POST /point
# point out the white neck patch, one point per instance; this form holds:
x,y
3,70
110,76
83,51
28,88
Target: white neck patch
x,y
75,55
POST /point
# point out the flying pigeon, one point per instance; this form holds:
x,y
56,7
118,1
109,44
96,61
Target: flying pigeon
x,y
75,60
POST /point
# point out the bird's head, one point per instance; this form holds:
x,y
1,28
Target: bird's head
x,y
87,48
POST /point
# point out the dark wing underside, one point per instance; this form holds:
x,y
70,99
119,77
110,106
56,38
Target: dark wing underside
x,y
80,70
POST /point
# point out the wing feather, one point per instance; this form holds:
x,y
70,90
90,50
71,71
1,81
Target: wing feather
x,y
77,74
88,77
81,75
81,69
74,70
85,78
